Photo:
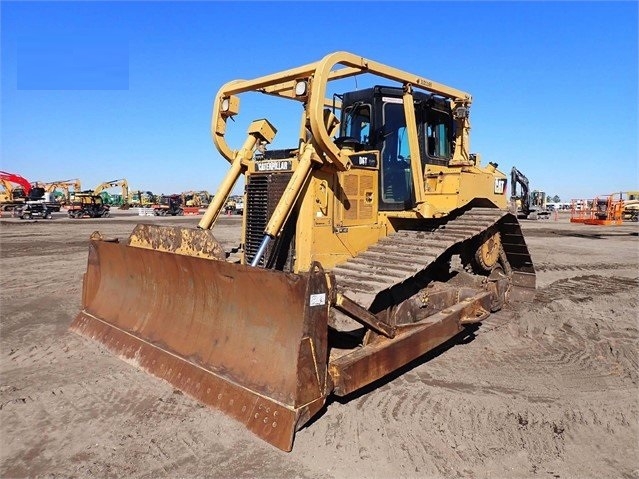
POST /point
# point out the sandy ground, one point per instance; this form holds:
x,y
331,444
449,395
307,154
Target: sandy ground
x,y
548,389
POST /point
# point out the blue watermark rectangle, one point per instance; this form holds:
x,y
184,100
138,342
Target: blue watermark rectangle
x,y
81,62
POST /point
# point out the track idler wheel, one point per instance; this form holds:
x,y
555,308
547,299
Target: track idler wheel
x,y
486,257
487,254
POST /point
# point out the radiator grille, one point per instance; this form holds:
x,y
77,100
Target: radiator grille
x,y
358,206
262,195
351,185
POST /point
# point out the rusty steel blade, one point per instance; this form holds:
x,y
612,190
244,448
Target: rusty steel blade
x,y
247,341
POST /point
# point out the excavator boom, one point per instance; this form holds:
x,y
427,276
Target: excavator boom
x,y
13,197
122,183
16,179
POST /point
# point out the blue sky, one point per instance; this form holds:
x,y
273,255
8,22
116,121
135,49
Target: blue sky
x,y
554,84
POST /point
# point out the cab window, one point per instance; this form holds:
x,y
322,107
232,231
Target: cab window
x,y
357,122
395,175
438,142
438,138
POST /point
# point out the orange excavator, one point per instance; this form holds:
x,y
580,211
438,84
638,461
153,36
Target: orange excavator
x,y
16,191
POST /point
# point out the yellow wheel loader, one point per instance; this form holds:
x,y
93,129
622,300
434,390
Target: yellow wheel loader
x,y
376,237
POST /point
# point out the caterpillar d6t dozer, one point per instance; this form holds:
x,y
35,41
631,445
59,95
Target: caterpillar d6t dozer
x,y
375,238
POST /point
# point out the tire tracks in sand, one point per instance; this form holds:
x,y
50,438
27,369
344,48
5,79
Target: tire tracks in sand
x,y
537,387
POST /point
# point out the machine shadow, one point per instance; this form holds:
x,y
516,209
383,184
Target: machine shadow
x,y
464,337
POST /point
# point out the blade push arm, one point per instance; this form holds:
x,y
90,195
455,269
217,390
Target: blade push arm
x,y
259,130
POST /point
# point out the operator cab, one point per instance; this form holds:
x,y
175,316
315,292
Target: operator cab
x,y
373,119
36,194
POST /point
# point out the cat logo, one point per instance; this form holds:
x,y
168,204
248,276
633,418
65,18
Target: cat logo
x,y
500,186
274,165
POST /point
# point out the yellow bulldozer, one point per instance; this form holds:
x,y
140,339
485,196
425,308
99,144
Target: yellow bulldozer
x,y
376,237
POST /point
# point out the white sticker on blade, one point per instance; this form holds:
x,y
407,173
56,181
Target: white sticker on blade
x,y
318,299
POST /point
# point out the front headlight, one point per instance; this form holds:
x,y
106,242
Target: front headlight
x,y
301,88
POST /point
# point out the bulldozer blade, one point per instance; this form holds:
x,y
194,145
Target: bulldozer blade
x,y
186,241
247,341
